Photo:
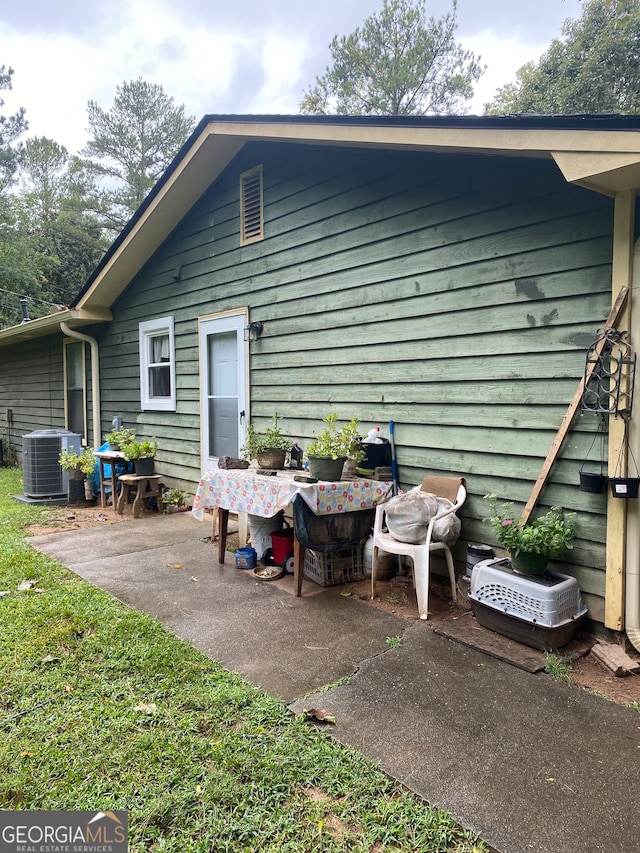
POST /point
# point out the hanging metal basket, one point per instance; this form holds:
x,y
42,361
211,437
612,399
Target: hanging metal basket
x,y
609,375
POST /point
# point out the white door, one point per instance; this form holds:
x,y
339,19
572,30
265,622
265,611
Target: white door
x,y
223,387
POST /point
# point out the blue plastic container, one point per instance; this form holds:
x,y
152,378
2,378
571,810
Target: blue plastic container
x,y
246,558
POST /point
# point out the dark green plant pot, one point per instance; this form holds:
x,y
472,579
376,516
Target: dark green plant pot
x,y
326,468
145,466
529,564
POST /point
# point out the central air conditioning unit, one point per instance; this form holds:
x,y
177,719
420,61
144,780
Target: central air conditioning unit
x,y
43,477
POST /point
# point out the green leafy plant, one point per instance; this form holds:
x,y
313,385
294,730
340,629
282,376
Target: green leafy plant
x,y
119,437
260,442
335,442
85,461
550,534
174,497
139,449
394,642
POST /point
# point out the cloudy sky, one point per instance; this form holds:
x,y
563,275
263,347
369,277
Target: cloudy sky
x,y
220,56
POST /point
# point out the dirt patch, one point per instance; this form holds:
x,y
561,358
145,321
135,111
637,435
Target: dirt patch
x,y
61,518
393,597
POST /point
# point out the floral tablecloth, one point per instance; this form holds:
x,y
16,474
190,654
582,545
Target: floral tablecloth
x,y
244,490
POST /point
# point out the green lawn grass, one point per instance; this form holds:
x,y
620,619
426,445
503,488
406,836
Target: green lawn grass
x,y
102,709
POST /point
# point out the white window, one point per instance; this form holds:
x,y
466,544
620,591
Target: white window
x,y
157,365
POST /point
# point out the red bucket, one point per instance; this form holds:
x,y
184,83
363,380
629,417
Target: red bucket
x,y
282,544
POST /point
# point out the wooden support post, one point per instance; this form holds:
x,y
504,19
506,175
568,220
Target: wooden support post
x,y
621,279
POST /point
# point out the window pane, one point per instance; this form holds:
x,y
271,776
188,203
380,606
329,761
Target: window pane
x,y
73,353
75,411
223,426
160,381
159,349
223,365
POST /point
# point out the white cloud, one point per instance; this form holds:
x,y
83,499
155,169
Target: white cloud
x,y
257,63
503,57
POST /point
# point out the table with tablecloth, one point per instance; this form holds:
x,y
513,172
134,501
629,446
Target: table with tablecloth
x,y
247,491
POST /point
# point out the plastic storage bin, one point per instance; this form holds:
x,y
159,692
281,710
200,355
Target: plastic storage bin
x,y
542,611
282,542
246,558
329,568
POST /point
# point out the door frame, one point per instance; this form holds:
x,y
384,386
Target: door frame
x,y
225,321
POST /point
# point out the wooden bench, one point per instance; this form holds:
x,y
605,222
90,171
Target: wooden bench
x,y
145,488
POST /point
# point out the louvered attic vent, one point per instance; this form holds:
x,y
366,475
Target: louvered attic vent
x,y
251,212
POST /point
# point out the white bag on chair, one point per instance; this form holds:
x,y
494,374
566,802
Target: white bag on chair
x,y
408,515
446,529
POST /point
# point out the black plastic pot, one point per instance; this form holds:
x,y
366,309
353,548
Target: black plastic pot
x,y
592,482
625,487
145,466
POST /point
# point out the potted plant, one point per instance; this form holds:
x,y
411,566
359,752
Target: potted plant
x,y
80,466
268,448
119,437
329,450
141,453
175,500
531,544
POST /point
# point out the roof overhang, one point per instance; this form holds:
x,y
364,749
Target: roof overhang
x,y
601,153
49,325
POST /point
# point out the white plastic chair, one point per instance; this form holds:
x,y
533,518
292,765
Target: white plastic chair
x,y
455,490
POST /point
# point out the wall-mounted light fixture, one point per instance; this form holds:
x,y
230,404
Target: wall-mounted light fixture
x,y
253,331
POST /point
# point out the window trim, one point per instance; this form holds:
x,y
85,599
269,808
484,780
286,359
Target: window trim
x,y
149,329
83,351
251,206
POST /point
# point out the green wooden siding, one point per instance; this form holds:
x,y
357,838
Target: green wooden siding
x,y
32,386
454,295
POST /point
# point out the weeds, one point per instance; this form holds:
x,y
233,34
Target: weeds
x,y
102,708
556,666
394,642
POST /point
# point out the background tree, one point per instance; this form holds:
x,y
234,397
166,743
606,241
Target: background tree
x,y
594,68
18,266
51,237
133,143
61,212
400,62
11,127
